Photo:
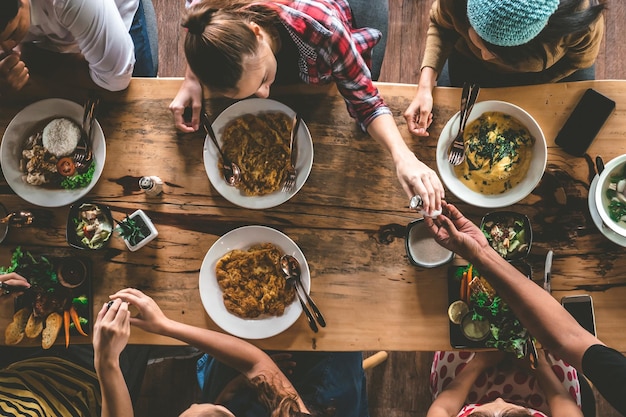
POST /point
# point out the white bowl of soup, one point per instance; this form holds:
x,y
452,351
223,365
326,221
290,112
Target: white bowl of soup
x,y
505,155
610,195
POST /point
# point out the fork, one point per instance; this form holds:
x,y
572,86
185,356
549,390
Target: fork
x,y
290,179
468,98
83,154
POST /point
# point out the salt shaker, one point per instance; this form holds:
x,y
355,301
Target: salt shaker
x,y
416,204
151,185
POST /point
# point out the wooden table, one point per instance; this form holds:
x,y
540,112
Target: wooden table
x,y
349,219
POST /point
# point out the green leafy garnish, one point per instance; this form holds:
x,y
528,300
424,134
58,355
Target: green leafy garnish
x,y
79,180
81,301
38,270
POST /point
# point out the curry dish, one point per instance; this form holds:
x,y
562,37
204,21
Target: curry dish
x,y
252,282
259,144
498,152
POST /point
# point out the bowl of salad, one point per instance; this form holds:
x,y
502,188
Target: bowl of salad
x,y
509,233
610,195
89,226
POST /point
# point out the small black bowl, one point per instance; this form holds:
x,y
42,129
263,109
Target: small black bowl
x,y
521,225
421,247
70,232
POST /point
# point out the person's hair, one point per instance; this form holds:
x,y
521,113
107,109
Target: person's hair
x,y
279,403
568,19
8,11
506,413
219,38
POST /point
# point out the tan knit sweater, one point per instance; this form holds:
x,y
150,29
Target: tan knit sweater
x,y
449,28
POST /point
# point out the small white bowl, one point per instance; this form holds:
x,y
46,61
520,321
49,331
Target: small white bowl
x,y
421,247
613,168
515,194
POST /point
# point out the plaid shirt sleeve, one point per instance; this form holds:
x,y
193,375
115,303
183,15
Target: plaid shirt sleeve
x,y
331,50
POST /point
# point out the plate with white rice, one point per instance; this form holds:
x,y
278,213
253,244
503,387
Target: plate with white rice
x,y
67,116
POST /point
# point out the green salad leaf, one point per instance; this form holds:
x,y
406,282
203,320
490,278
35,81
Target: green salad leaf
x,y
79,180
38,270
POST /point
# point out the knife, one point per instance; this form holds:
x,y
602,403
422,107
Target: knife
x,y
547,277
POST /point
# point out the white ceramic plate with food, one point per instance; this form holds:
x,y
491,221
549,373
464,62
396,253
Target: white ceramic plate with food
x,y
15,135
211,294
304,146
597,220
517,192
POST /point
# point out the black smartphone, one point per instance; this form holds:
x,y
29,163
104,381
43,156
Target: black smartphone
x,y
581,308
582,126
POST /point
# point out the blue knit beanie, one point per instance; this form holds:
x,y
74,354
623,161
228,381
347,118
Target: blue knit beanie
x,y
509,22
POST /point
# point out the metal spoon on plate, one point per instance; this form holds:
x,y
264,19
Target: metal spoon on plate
x,y
291,268
230,170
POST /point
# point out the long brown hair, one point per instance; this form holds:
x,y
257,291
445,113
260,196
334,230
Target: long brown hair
x,y
219,38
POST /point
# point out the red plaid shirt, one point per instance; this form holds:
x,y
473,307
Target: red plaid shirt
x,y
331,49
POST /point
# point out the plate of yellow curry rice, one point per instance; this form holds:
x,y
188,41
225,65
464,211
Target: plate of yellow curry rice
x,y
505,155
255,134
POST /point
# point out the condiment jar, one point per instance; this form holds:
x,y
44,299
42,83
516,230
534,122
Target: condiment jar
x,y
151,185
416,204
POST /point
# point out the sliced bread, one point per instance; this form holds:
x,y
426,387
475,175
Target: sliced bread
x,y
49,334
14,332
34,326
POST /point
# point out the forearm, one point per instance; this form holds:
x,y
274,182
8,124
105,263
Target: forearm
x,y
428,80
559,399
538,311
115,397
452,399
232,351
384,130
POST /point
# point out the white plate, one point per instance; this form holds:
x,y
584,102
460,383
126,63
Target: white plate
x,y
211,155
211,294
11,151
517,193
597,220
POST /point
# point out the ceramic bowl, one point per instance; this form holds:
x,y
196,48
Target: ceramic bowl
x,y
71,236
613,171
503,220
421,247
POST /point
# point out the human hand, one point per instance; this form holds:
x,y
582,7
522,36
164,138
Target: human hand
x,y
419,114
455,232
150,317
417,178
13,72
13,280
110,333
189,95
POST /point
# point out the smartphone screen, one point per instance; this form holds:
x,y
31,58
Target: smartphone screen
x,y
584,123
581,308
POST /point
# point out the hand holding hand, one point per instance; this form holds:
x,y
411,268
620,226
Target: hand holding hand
x,y
189,95
417,178
111,333
419,114
13,72
455,232
150,317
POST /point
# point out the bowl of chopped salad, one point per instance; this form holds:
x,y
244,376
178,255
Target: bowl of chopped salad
x,y
610,195
509,233
89,226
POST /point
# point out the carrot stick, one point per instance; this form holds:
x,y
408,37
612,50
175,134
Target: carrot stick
x,y
76,320
463,286
66,326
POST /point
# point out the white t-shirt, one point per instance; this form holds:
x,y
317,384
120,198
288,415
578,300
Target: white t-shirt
x,y
97,29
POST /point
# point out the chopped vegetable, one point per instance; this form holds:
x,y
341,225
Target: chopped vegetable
x,y
38,270
79,180
80,301
76,320
66,327
507,236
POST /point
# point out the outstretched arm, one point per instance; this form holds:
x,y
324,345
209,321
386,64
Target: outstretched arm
x,y
559,399
540,313
232,351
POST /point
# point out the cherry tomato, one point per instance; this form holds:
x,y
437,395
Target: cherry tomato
x,y
66,167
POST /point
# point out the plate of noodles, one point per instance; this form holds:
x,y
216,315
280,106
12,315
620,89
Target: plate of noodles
x,y
51,123
506,155
249,239
254,133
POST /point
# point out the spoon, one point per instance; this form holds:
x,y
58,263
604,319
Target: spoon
x,y
291,282
83,155
230,170
291,268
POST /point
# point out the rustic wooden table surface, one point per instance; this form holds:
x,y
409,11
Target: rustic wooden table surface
x,y
349,219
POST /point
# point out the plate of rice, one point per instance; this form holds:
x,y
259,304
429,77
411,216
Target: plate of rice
x,y
46,133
